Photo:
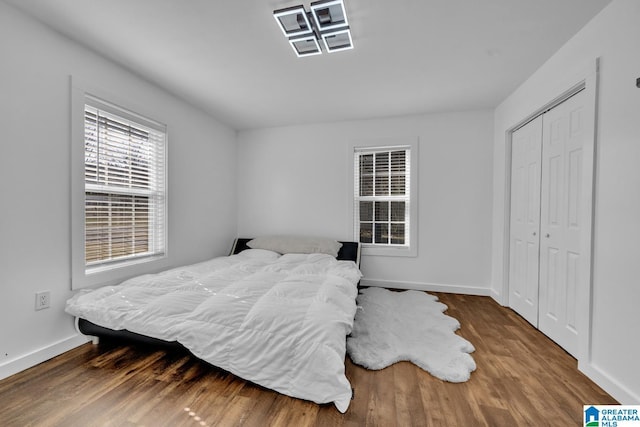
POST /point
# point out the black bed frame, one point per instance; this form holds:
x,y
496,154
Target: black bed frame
x,y
350,251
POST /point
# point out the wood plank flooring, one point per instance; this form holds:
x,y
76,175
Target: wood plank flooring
x,y
522,379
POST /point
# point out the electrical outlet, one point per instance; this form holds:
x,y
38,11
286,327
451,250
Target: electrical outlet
x,y
43,299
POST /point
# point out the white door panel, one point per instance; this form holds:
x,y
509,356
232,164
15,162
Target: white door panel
x,y
560,224
525,220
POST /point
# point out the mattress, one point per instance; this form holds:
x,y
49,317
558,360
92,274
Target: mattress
x,y
280,321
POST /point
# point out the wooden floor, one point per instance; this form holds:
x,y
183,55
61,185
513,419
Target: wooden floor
x,y
522,379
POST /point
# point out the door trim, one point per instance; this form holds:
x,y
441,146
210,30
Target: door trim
x,y
587,81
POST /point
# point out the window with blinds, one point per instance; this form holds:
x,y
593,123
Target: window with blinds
x,y
382,195
124,182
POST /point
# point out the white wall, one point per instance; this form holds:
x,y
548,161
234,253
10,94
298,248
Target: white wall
x,y
295,180
35,65
614,37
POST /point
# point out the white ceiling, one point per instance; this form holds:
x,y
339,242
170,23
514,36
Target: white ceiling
x,y
229,57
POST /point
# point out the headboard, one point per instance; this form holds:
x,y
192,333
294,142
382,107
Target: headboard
x,y
350,251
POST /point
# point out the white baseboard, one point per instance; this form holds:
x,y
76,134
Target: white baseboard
x,y
618,391
429,287
29,360
498,298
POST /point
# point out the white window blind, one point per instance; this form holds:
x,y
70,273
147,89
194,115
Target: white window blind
x,y
124,180
382,196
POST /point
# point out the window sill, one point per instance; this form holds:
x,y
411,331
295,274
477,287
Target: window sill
x,y
122,264
372,250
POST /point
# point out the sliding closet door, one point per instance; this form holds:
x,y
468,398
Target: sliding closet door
x,y
561,220
525,220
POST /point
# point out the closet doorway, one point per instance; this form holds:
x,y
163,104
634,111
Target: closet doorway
x,y
548,219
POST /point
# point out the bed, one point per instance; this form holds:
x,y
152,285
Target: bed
x,y
276,318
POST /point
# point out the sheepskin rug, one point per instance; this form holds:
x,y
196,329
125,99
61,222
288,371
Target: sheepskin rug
x,y
393,326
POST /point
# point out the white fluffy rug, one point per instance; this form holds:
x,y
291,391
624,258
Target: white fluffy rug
x,y
410,325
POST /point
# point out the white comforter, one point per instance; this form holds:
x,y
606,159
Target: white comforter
x,y
279,321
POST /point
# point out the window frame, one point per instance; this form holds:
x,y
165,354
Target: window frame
x,y
411,214
104,273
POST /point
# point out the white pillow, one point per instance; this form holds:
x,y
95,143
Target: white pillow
x,y
297,245
260,254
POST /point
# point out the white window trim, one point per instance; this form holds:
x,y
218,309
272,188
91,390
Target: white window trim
x,y
81,275
382,143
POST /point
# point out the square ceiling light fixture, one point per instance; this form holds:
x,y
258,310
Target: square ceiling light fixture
x,y
326,22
